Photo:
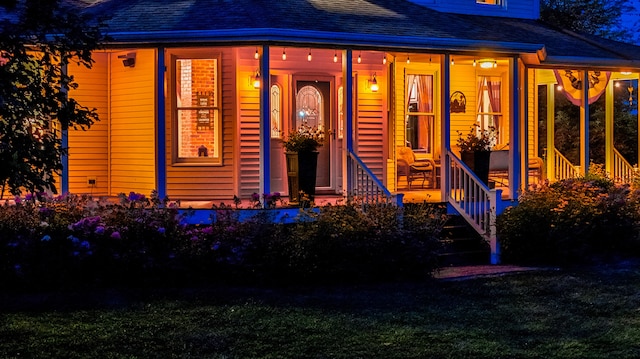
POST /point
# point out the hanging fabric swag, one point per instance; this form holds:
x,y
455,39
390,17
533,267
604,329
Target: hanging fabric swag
x,y
571,81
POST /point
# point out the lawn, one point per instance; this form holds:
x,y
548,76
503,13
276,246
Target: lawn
x,y
591,312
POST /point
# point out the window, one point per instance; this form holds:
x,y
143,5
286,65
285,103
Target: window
x,y
197,125
276,113
420,116
489,2
489,103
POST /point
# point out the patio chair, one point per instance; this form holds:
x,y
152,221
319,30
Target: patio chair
x,y
412,169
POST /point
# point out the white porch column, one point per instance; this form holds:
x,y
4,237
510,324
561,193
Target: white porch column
x,y
161,135
515,149
551,146
608,128
584,124
445,132
265,126
347,74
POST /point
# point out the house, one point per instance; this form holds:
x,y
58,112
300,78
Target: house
x,y
195,97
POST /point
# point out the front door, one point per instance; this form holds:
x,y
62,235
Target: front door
x,y
312,105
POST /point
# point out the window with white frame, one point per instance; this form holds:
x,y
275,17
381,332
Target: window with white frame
x,y
197,113
489,113
420,116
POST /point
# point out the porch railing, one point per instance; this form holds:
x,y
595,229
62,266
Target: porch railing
x,y
563,167
365,186
623,171
475,202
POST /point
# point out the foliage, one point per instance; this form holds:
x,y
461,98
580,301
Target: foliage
x,y
77,241
571,221
598,17
305,139
477,139
35,101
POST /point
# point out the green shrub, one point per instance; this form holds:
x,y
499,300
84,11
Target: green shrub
x,y
570,221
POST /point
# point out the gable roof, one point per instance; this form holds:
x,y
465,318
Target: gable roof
x,y
382,24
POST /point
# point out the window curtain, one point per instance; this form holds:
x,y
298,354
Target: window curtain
x,y
493,92
425,105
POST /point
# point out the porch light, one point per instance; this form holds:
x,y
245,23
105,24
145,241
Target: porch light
x,y
408,60
256,80
474,62
373,84
335,56
284,55
359,57
488,63
452,62
128,60
384,60
309,56
256,55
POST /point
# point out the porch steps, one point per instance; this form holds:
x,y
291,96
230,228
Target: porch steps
x,y
461,244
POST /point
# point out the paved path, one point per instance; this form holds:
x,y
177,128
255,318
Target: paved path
x,y
466,272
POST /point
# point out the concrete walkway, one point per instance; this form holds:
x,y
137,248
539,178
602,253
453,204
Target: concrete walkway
x,y
467,272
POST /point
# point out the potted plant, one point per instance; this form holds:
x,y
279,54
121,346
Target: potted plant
x,y
301,150
475,149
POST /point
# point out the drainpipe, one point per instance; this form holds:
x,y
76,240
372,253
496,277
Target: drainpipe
x,y
161,135
265,126
608,128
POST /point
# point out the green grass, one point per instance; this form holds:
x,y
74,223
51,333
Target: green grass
x,y
576,313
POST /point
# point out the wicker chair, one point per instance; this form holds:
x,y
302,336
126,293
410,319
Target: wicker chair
x,y
424,169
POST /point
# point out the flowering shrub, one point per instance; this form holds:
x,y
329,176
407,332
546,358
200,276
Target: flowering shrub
x,y
477,139
574,220
305,139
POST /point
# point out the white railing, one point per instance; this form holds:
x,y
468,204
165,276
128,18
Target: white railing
x,y
475,202
365,186
563,167
623,171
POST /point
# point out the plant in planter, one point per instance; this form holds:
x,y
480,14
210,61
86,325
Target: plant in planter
x,y
475,149
301,150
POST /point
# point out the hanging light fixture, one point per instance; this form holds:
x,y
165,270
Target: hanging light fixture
x,y
452,62
408,60
309,56
474,62
487,63
384,59
284,54
335,56
256,55
360,57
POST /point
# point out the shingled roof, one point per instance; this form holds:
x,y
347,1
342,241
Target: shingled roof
x,y
383,24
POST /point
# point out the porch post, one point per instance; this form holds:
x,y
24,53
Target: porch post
x,y
515,150
525,127
161,135
347,73
265,127
584,124
551,146
64,178
445,131
608,129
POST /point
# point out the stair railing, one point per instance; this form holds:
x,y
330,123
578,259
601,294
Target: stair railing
x,y
365,186
563,167
623,171
473,199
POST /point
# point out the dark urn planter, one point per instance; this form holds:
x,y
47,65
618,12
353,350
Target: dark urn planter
x,y
301,176
478,162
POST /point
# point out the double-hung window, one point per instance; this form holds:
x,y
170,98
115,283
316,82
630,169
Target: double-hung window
x,y
420,116
197,124
489,103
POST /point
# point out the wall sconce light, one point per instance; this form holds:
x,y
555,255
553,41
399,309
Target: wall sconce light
x,y
128,60
256,80
360,58
373,83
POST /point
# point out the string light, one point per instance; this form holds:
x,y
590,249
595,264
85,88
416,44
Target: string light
x,y
284,55
335,56
474,62
309,56
408,60
359,57
256,55
452,61
384,60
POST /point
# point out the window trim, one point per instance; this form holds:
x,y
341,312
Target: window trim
x,y
432,114
198,54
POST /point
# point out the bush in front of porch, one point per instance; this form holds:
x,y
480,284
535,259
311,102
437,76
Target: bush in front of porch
x,y
79,242
579,220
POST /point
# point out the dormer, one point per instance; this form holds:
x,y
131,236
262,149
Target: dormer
x,y
524,9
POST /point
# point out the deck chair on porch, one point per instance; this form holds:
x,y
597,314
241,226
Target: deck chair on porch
x,y
499,167
408,166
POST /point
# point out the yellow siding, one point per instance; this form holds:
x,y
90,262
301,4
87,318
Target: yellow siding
x,y
371,122
88,150
205,182
132,125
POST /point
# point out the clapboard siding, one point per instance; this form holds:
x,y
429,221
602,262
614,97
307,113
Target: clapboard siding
x,y
88,150
197,181
132,151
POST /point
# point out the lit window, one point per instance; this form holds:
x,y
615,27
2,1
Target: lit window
x,y
489,2
420,115
489,103
276,113
197,113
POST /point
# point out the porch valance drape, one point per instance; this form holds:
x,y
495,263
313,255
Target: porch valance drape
x,y
571,81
